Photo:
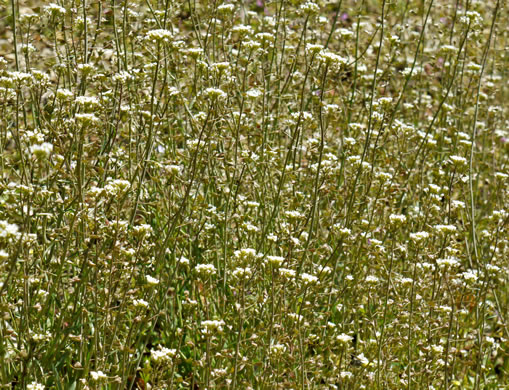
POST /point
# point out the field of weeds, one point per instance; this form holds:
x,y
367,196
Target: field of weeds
x,y
284,194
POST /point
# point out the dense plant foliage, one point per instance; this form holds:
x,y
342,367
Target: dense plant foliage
x,y
254,194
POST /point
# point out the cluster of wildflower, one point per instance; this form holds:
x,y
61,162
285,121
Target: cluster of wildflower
x,y
35,386
320,189
205,270
210,327
162,354
159,35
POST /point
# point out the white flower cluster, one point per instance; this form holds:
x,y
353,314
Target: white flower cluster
x,y
242,273
141,303
314,48
287,273
117,187
246,255
159,35
41,151
98,375
242,29
8,230
293,214
445,228
218,372
458,161
162,354
419,236
35,386
397,219
371,279
331,59
142,230
344,338
225,8
184,261
310,7
54,10
212,326
470,276
87,101
277,349
86,118
254,93
215,93
448,262
309,279
64,94
205,269
275,261
151,281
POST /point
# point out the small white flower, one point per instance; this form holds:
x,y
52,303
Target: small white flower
x,y
458,161
308,279
142,230
396,219
287,273
87,101
162,354
64,94
250,227
8,230
159,35
140,303
445,309
277,349
310,7
242,273
272,237
448,262
345,33
86,118
42,151
371,279
457,204
362,360
210,326
97,375
242,29
445,228
183,261
225,8
54,9
314,48
220,66
344,338
419,236
470,276
117,187
205,269
35,386
152,281
275,261
254,93
246,254
293,214
329,58
215,93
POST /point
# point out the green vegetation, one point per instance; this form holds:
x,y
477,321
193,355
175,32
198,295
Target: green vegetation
x,y
284,194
